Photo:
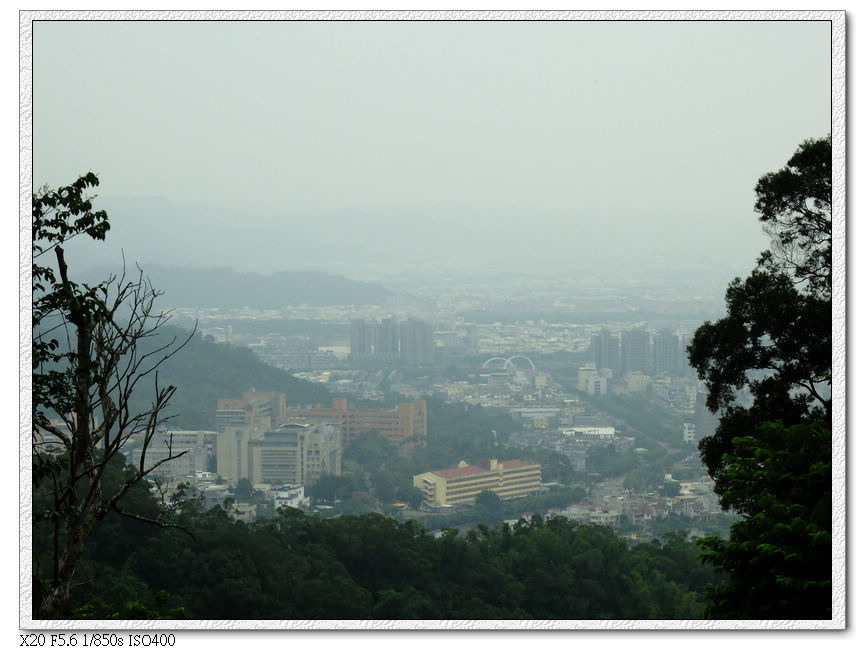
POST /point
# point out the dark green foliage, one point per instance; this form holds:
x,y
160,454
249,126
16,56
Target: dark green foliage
x,y
456,432
489,506
771,458
671,489
59,216
776,340
554,466
162,606
644,478
607,460
103,579
372,450
795,204
776,343
330,487
641,417
243,492
412,496
778,558
296,567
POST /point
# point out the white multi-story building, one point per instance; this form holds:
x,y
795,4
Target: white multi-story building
x,y
591,380
295,453
180,454
591,433
689,432
290,495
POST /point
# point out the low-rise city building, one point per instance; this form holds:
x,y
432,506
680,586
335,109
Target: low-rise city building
x,y
590,433
508,479
292,496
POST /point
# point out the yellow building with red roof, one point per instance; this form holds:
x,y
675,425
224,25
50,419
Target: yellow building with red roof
x,y
508,479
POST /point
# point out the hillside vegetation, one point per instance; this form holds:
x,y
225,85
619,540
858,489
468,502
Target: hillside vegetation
x,y
224,288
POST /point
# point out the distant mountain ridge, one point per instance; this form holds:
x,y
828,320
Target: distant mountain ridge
x,y
387,240
228,289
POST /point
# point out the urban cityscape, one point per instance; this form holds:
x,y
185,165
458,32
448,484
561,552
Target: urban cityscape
x,y
477,321
542,375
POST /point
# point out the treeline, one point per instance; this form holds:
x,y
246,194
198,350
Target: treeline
x,y
492,510
295,566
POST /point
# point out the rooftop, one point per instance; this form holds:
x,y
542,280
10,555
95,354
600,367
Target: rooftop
x,y
476,469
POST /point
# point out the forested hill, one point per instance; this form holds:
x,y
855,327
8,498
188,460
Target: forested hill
x,y
301,567
227,289
204,371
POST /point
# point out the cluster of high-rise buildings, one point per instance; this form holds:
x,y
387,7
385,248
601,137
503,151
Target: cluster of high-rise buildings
x,y
635,350
263,440
409,342
259,439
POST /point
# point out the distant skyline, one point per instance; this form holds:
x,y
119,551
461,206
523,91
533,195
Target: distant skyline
x,y
636,140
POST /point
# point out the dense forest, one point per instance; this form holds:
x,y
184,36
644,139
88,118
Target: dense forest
x,y
298,566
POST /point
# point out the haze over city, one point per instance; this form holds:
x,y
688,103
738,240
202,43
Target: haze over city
x,y
430,320
372,149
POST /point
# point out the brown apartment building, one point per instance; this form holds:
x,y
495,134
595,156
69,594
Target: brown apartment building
x,y
404,424
260,408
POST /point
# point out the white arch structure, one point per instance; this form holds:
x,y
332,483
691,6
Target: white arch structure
x,y
510,362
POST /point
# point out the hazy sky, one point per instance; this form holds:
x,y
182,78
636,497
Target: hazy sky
x,y
655,129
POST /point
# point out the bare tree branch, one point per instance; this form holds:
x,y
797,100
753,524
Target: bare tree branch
x,y
155,522
89,383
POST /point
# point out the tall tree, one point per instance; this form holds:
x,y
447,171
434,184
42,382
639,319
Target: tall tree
x,y
795,206
86,366
489,505
779,557
767,369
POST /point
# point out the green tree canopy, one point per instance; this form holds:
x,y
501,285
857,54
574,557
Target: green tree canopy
x,y
775,343
244,490
770,455
778,559
795,206
330,487
372,450
671,489
489,504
